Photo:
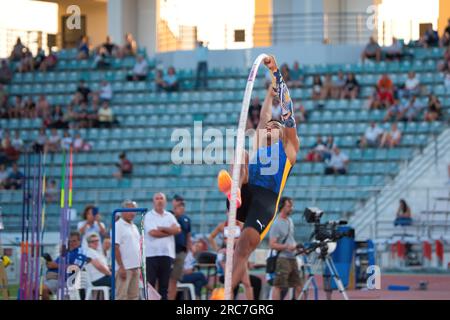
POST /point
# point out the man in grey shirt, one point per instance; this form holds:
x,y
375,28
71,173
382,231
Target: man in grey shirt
x,y
282,239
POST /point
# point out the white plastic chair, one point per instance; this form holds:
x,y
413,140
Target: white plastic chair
x,y
187,286
90,289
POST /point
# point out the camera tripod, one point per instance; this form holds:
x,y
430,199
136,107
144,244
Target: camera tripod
x,y
323,259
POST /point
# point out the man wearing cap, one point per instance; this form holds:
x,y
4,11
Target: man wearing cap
x,y
182,244
127,252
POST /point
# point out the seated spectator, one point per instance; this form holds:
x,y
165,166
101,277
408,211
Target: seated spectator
x,y
394,111
43,108
51,191
82,116
412,85
93,116
39,58
17,51
29,108
130,47
394,51
16,110
403,216
3,176
110,47
66,141
444,65
254,111
26,62
197,278
105,116
98,269
101,59
434,109
105,93
70,117
327,87
317,88
57,118
159,81
296,76
15,178
3,96
411,110
351,87
329,146
338,86
41,141
17,142
82,94
430,38
171,80
5,73
447,80
54,141
338,162
140,70
385,90
445,39
391,138
285,73
125,167
371,51
49,62
83,49
79,144
10,154
317,150
301,114
371,137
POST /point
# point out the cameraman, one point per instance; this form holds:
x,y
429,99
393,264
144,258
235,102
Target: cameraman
x,y
281,239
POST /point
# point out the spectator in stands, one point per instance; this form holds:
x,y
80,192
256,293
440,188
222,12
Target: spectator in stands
x,y
391,138
315,154
183,244
411,110
41,141
286,73
447,80
201,53
197,278
5,73
15,178
445,39
301,115
98,269
412,85
105,93
254,111
57,118
54,141
160,228
171,83
105,115
70,117
106,249
17,51
371,137
51,191
444,65
83,48
338,162
130,47
16,110
371,51
29,108
338,86
351,87
3,97
66,141
434,109
128,254
394,111
317,88
17,142
49,62
140,70
101,59
329,146
3,176
430,38
82,94
10,154
159,81
394,51
385,90
125,167
42,108
110,47
39,58
403,216
93,116
327,87
91,224
26,62
75,256
296,76
79,144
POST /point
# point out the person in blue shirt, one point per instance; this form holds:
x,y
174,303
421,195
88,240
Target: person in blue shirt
x,y
75,256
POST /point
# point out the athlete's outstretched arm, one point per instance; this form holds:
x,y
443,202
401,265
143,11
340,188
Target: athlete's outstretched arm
x,y
266,110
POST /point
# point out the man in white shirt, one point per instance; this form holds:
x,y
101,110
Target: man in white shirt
x,y
338,163
160,227
412,85
372,136
128,255
105,92
140,70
